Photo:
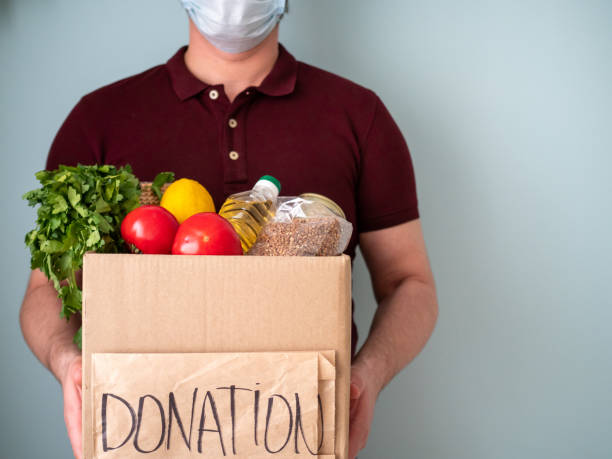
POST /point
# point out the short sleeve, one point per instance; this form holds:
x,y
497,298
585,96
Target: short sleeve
x,y
73,144
386,194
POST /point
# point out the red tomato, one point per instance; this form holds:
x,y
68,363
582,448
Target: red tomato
x,y
150,229
206,233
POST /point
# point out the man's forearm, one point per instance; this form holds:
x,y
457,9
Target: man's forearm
x,y
47,334
402,325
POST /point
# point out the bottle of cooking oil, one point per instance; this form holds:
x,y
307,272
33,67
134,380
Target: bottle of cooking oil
x,y
249,211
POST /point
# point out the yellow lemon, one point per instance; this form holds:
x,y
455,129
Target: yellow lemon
x,y
186,197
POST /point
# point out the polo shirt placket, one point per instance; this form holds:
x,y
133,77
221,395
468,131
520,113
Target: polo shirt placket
x,y
231,134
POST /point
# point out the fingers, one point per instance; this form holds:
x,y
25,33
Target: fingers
x,y
77,375
354,408
355,396
357,383
361,413
72,410
77,372
358,434
355,391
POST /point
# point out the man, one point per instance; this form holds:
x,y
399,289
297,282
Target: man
x,y
233,106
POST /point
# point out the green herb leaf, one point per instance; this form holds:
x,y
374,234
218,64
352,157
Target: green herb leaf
x,y
94,236
59,204
78,338
81,209
102,206
160,180
51,246
73,197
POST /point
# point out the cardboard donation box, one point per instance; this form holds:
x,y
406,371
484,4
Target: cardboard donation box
x,y
214,356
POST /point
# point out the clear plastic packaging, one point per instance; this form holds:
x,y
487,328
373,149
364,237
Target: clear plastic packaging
x,y
303,227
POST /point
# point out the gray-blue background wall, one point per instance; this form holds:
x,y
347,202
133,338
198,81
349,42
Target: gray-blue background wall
x,y
507,109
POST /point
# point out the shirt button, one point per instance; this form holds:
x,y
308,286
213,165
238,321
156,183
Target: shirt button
x,y
232,123
234,155
213,94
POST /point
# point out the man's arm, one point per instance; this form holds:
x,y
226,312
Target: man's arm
x,y
47,334
50,339
407,312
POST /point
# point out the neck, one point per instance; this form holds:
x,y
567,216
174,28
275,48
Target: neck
x,y
235,72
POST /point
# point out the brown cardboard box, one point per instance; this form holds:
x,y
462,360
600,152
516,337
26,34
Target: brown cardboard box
x,y
205,356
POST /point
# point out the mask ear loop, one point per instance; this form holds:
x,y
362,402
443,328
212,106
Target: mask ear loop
x,y
285,11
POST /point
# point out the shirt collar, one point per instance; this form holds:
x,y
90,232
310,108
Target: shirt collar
x,y
281,79
279,82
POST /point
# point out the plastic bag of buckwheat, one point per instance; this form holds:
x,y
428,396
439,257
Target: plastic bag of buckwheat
x,y
303,227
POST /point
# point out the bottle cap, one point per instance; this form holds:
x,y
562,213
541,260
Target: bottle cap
x,y
273,180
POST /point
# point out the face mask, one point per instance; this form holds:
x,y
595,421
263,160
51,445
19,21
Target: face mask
x,y
235,26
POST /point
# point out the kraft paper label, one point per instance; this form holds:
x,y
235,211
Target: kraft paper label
x,y
242,405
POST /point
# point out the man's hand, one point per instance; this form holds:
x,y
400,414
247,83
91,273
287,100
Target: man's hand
x,y
404,319
50,339
364,392
71,386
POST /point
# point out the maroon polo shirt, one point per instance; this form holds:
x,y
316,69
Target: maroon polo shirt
x,y
314,131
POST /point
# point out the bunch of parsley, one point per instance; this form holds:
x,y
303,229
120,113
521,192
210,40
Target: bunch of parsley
x,y
81,209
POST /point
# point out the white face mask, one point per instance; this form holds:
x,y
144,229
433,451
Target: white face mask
x,y
235,26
